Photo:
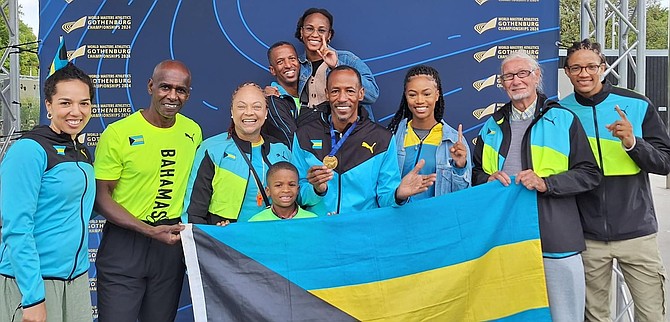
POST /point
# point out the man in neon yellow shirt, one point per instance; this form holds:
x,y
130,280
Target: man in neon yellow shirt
x,y
142,166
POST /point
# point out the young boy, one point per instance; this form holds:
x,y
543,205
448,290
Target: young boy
x,y
282,188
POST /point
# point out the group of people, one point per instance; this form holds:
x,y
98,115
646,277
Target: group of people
x,y
307,146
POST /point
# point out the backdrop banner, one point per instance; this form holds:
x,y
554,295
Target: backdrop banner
x,y
225,43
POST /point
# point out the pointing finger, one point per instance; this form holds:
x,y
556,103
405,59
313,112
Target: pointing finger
x,y
460,132
621,113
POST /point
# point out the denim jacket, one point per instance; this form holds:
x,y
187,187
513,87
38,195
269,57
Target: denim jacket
x,y
345,58
449,177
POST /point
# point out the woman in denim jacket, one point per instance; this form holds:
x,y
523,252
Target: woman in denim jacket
x,y
315,31
421,133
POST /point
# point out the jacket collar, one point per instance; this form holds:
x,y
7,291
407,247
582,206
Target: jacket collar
x,y
363,116
245,146
448,133
595,99
542,105
281,89
46,132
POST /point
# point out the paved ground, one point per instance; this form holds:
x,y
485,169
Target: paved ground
x,y
662,202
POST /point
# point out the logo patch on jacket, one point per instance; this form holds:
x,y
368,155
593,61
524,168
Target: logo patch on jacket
x,y
228,155
369,147
550,121
60,149
136,140
317,144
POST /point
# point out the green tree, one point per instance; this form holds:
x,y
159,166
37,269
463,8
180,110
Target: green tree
x,y
657,23
28,62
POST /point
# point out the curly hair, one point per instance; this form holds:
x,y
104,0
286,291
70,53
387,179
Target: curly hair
x,y
311,11
584,44
69,72
403,111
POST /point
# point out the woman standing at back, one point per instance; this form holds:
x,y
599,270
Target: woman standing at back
x,y
315,31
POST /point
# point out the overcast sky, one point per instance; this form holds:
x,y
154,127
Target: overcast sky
x,y
31,12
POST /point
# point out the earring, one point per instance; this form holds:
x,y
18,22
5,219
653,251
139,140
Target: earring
x,y
49,116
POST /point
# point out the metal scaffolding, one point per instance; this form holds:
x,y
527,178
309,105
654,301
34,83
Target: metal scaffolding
x,y
9,88
624,20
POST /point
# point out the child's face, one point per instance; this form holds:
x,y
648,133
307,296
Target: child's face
x,y
283,188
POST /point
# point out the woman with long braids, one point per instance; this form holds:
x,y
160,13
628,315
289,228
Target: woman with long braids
x,y
421,133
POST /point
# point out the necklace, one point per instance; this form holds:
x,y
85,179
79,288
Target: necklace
x,y
295,211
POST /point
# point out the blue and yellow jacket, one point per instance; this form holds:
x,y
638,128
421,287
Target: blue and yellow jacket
x,y
367,173
219,177
556,148
449,177
47,192
622,207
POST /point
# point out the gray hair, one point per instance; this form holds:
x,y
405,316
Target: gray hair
x,y
522,54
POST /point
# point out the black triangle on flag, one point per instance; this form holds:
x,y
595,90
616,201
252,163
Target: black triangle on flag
x,y
238,288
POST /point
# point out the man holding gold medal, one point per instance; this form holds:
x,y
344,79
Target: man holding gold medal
x,y
347,162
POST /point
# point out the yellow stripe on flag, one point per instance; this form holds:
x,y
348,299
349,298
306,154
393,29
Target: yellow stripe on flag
x,y
477,290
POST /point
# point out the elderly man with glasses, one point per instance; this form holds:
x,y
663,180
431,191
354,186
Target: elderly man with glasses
x,y
535,142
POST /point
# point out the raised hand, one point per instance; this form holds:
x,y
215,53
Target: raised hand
x,y
329,56
529,179
458,151
414,183
622,129
270,91
318,176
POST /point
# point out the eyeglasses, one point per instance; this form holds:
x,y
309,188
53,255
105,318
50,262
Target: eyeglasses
x,y
310,30
521,74
591,69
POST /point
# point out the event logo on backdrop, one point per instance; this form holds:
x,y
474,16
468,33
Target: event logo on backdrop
x,y
224,43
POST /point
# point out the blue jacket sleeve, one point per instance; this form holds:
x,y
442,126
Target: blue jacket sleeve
x,y
371,89
199,188
389,177
21,173
461,177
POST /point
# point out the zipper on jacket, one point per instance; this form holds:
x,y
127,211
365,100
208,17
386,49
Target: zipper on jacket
x,y
418,153
602,170
81,209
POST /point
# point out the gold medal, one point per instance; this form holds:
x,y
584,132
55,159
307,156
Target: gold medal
x,y
330,161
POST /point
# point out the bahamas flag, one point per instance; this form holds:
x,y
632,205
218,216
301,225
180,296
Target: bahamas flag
x,y
473,255
61,58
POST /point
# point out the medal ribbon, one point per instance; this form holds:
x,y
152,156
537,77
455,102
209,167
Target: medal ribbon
x,y
335,147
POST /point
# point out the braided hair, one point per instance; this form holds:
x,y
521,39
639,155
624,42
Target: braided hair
x,y
584,44
231,128
403,111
